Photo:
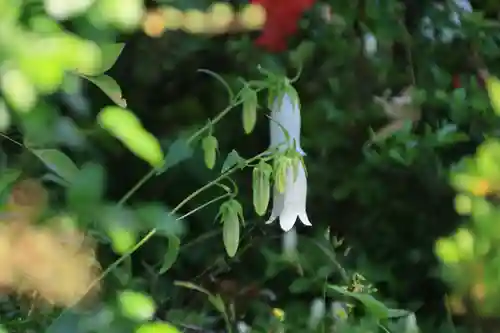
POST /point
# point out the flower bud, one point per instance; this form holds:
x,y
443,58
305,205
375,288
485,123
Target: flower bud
x,y
249,109
210,145
281,165
261,187
231,214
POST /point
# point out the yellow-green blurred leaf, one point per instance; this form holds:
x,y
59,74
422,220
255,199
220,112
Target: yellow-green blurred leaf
x,y
447,250
122,240
125,126
135,305
58,162
109,55
493,86
157,327
110,87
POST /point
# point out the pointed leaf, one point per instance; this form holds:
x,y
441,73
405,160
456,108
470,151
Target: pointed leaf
x,y
125,126
232,159
109,55
58,162
110,87
179,151
172,253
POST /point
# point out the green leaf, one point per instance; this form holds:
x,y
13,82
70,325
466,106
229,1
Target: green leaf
x,y
110,53
217,302
179,151
125,126
58,162
87,189
300,285
68,321
232,159
192,286
135,305
374,306
493,86
159,217
172,253
157,327
110,87
7,177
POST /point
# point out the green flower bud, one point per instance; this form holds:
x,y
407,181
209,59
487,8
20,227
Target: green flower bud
x,y
231,215
249,116
210,145
261,187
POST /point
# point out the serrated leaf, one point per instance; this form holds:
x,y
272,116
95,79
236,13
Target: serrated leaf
x,y
110,87
58,162
172,253
125,126
178,151
232,159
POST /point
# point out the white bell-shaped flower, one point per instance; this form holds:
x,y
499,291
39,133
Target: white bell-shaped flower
x,y
291,203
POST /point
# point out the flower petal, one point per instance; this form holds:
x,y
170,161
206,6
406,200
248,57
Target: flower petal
x,y
287,218
278,205
305,219
287,114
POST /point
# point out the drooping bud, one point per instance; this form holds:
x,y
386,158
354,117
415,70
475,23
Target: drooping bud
x,y
210,145
249,115
261,187
231,215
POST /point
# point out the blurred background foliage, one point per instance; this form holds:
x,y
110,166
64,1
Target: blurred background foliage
x,y
383,173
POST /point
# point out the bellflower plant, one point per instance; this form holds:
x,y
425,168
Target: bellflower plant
x,y
285,123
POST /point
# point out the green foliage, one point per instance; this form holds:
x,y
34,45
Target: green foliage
x,y
387,129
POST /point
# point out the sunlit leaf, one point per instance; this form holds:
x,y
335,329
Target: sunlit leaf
x,y
109,55
493,86
125,126
172,253
157,327
110,87
58,162
135,305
